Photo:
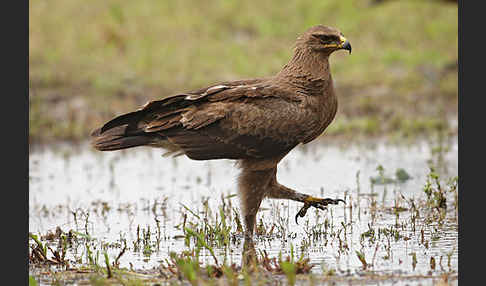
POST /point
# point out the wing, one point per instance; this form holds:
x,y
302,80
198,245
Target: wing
x,y
172,104
236,120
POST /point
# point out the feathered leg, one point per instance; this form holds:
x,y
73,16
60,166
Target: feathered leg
x,y
252,186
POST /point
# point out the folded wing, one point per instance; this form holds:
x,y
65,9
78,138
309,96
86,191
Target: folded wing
x,y
233,120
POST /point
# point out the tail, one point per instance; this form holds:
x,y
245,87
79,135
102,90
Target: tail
x,y
121,133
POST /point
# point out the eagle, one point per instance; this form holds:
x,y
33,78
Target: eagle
x,y
254,121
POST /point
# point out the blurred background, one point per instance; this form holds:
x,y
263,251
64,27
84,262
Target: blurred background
x,y
92,60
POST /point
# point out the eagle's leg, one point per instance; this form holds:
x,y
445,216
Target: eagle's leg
x,y
251,189
252,186
278,191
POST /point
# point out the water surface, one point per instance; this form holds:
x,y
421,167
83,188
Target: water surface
x,y
111,194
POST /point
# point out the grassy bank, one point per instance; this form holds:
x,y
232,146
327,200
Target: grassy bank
x,y
91,60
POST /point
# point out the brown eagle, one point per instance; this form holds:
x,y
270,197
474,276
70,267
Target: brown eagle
x,y
255,121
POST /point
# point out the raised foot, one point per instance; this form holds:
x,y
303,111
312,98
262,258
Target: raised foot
x,y
317,203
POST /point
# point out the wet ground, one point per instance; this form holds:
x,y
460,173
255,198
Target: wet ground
x,y
140,199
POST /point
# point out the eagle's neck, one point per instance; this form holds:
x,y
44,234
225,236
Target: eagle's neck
x,y
307,68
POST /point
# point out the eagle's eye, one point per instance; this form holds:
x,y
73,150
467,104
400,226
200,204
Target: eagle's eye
x,y
325,39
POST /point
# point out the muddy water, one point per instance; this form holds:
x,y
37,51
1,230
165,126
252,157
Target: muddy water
x,y
109,194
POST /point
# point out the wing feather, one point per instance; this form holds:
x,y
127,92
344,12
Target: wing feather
x,y
233,120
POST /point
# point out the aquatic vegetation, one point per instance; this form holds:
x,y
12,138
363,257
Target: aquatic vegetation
x,y
397,230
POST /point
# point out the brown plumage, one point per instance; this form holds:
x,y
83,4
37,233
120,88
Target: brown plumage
x,y
256,121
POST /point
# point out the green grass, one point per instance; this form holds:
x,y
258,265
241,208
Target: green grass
x,y
113,56
32,281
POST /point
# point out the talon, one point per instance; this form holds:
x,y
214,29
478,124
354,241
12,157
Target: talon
x,y
333,202
302,212
317,203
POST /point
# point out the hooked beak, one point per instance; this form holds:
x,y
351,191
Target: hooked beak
x,y
344,44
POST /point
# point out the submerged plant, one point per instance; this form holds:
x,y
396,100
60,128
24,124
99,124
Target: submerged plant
x,y
433,189
362,259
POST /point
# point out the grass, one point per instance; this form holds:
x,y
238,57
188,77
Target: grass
x,y
110,57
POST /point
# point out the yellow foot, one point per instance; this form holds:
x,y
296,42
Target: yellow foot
x,y
317,203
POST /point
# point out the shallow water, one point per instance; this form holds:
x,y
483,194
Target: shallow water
x,y
127,189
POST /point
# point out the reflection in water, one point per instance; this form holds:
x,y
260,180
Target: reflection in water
x,y
116,197
248,254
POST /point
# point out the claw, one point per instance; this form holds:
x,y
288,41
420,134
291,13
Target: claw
x,y
333,202
320,204
302,212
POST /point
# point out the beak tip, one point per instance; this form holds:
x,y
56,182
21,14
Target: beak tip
x,y
347,46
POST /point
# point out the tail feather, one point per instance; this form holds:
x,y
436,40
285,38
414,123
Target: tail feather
x,y
116,139
127,131
130,121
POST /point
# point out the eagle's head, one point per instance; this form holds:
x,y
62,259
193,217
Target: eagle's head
x,y
324,39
